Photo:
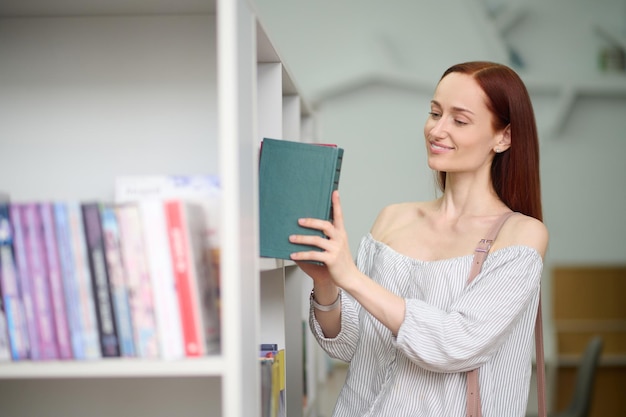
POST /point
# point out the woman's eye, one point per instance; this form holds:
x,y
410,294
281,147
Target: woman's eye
x,y
434,114
460,122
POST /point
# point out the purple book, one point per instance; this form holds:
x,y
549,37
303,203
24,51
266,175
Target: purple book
x,y
38,271
55,279
26,290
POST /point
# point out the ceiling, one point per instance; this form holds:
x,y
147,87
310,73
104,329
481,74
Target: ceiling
x,y
334,46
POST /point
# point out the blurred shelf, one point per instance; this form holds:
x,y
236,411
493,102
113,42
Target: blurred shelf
x,y
114,368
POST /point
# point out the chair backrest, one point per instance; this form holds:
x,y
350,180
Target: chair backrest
x,y
585,378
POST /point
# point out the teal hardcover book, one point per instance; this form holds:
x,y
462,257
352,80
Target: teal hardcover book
x,y
296,180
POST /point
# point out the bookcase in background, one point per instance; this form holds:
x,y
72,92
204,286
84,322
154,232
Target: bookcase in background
x,y
95,89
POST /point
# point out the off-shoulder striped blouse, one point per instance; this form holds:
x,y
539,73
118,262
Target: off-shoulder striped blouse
x,y
449,328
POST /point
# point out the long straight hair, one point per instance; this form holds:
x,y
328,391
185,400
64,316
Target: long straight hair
x,y
515,172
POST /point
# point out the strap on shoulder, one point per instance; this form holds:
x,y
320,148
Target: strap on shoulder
x,y
473,406
484,245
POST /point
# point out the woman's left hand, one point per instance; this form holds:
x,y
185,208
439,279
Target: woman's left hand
x,y
336,257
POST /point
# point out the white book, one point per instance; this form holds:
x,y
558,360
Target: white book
x,y
140,291
167,311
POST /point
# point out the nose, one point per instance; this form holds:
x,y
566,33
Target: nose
x,y
436,128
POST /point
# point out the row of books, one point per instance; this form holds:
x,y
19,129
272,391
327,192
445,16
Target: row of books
x,y
272,361
137,277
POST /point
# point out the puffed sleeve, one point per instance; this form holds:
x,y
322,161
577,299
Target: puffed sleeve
x,y
344,345
467,333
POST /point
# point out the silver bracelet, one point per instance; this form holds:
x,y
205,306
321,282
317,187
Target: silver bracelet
x,y
329,307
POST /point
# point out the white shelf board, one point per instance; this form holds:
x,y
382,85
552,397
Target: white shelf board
x,y
270,264
46,8
114,368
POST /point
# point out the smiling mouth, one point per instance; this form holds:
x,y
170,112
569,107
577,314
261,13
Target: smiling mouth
x,y
435,146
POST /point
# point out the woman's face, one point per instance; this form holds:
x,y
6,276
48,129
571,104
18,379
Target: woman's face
x,y
459,132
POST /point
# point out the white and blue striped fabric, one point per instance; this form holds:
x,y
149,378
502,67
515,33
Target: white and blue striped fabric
x,y
449,328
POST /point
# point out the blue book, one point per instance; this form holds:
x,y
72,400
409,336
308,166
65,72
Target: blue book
x,y
70,281
117,280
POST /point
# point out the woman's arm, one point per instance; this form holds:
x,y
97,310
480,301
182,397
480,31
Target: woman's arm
x,y
340,271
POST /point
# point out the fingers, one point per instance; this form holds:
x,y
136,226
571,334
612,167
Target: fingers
x,y
309,256
323,226
337,212
311,240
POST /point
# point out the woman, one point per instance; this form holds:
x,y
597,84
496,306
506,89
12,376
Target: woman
x,y
404,316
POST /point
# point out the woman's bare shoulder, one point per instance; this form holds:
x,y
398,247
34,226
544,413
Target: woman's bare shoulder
x,y
395,215
526,231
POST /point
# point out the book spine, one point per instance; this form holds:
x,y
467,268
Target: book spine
x,y
336,179
189,310
204,281
167,310
100,280
55,279
17,329
138,281
89,320
71,289
35,251
26,288
117,278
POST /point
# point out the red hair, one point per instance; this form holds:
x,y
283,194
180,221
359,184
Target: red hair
x,y
515,172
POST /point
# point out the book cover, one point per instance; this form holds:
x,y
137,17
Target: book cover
x,y
90,333
117,279
296,180
71,288
198,309
107,328
138,281
16,325
55,279
167,309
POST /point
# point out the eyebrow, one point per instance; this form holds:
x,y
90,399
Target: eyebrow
x,y
455,109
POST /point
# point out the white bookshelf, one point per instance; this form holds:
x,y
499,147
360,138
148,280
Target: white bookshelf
x,y
93,89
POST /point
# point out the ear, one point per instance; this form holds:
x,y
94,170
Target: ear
x,y
504,140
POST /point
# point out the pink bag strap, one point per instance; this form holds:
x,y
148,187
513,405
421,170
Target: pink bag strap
x,y
473,408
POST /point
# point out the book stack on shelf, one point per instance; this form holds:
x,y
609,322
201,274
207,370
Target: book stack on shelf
x,y
131,278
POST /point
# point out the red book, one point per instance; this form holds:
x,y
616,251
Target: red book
x,y
199,319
